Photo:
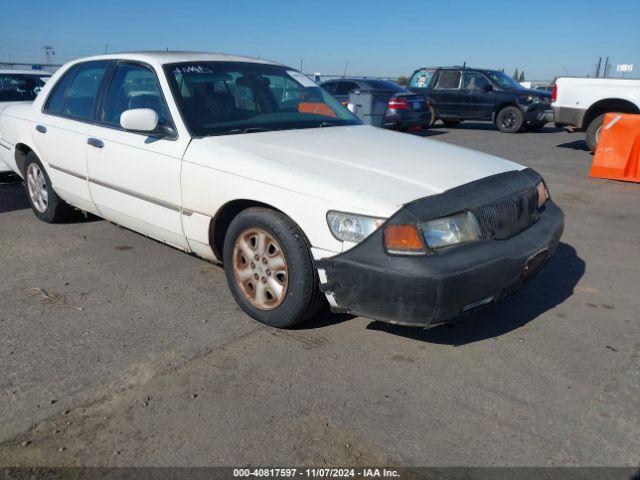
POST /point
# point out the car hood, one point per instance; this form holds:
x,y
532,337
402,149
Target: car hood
x,y
530,91
390,167
4,105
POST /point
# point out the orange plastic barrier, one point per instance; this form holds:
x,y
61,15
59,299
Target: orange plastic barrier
x,y
618,154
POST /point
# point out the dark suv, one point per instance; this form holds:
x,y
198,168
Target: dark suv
x,y
457,94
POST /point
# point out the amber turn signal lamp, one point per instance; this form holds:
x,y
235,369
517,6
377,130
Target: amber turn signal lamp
x,y
403,239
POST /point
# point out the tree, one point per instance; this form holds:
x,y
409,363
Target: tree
x,y
521,78
516,75
402,80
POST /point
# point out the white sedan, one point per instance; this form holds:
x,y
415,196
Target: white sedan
x,y
19,86
249,163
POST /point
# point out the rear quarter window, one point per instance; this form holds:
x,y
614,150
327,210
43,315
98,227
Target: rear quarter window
x,y
421,79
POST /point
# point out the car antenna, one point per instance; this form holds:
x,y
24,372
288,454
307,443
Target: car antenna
x,y
344,74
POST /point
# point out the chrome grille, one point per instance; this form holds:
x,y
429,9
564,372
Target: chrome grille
x,y
508,217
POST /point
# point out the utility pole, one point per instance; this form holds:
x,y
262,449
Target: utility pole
x,y
344,74
605,73
598,67
49,53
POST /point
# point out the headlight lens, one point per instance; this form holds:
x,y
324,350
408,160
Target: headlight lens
x,y
349,227
459,228
543,193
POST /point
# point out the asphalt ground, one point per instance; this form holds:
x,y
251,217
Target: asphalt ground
x,y
118,350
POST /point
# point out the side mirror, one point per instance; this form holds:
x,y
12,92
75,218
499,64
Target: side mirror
x,y
487,87
142,120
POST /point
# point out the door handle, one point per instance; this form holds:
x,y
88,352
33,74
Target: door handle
x,y
41,128
94,142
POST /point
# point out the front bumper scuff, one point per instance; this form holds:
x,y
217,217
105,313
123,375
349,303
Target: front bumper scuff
x,y
435,288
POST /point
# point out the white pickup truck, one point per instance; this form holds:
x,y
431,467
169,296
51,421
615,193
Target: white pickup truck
x,y
583,102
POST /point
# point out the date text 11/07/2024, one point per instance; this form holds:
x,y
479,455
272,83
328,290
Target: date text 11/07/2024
x,y
316,472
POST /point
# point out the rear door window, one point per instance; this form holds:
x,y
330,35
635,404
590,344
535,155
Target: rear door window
x,y
57,98
79,96
449,80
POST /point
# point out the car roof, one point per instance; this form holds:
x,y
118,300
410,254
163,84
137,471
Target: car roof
x,y
166,57
457,67
37,73
358,80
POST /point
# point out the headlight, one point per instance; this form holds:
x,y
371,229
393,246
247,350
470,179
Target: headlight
x,y
349,227
543,193
441,232
532,99
459,228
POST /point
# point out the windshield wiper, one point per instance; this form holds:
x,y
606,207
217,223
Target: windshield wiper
x,y
327,124
236,131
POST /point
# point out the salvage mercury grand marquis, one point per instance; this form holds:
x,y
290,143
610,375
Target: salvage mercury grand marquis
x,y
248,162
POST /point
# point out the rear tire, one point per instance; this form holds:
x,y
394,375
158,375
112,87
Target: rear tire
x,y
592,134
44,201
451,123
269,268
510,119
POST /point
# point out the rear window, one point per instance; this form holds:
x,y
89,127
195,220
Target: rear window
x,y
421,78
385,85
16,87
345,87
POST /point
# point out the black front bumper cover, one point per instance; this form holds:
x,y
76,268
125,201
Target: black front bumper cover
x,y
436,288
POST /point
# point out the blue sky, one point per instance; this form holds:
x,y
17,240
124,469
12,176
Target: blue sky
x,y
542,37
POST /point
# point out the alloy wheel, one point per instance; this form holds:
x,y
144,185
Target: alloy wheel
x,y
508,120
260,268
37,185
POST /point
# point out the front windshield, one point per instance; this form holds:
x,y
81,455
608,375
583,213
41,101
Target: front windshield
x,y
218,98
16,87
504,81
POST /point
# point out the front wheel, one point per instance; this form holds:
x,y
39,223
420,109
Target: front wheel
x,y
44,200
592,135
510,120
269,268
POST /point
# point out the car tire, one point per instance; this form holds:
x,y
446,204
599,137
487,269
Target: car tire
x,y
44,201
592,134
510,119
269,268
451,123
